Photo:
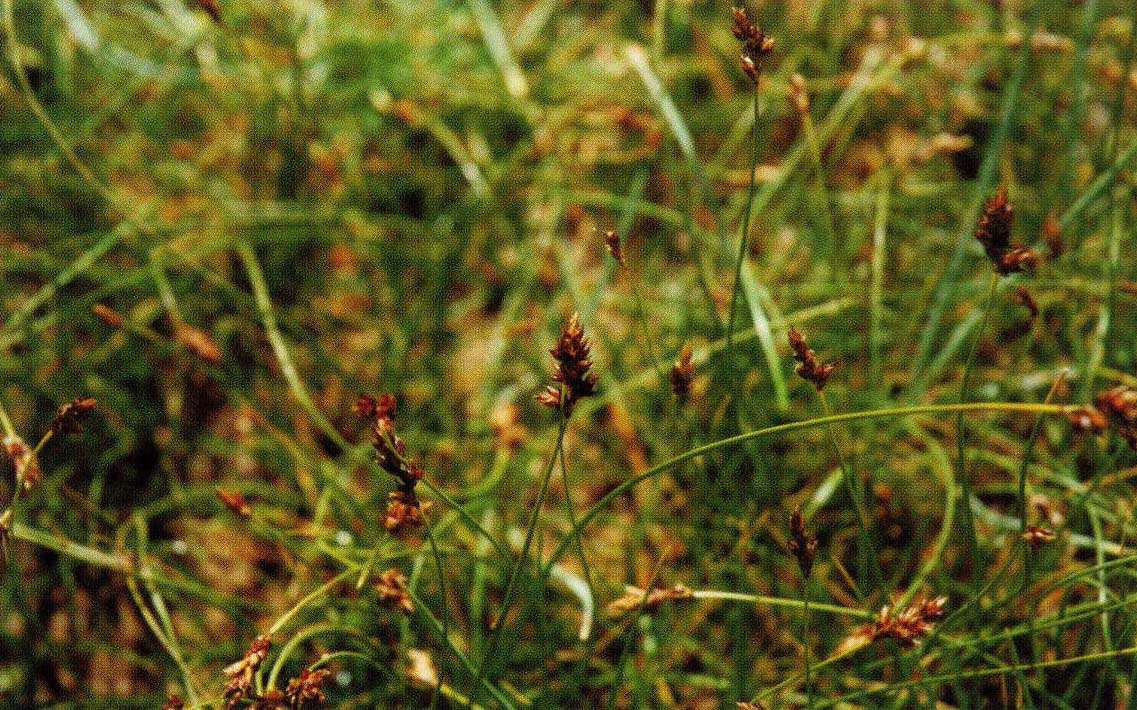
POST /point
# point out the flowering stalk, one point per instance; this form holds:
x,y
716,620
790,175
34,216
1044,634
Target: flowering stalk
x,y
572,373
803,545
812,370
755,48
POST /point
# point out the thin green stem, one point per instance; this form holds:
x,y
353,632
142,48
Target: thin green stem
x,y
320,591
805,641
1022,484
951,494
622,663
445,609
867,554
779,429
981,673
470,703
572,521
743,240
641,315
781,602
511,584
6,421
960,432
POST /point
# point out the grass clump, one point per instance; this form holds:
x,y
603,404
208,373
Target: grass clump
x,y
223,223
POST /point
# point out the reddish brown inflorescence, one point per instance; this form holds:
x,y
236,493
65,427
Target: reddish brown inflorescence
x,y
802,543
306,691
612,242
242,672
572,355
392,590
404,509
683,372
907,627
234,501
66,419
1119,405
993,231
756,46
809,368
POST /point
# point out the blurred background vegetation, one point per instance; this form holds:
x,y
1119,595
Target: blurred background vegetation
x,y
314,198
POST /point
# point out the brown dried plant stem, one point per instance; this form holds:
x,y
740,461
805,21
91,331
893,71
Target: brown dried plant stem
x,y
967,514
511,584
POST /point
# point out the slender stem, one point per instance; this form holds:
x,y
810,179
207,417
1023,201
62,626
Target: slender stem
x,y
805,641
163,631
470,703
511,585
951,494
156,629
622,664
867,554
742,242
797,677
572,521
782,602
960,431
6,422
641,314
286,651
894,686
445,610
276,340
1027,552
737,439
322,590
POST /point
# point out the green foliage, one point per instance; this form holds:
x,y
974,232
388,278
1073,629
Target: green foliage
x,y
317,199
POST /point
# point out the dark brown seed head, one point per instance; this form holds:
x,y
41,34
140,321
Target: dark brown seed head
x,y
756,46
993,231
392,590
390,451
573,369
683,372
802,544
66,419
370,407
174,703
1036,537
306,691
234,501
612,242
809,368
